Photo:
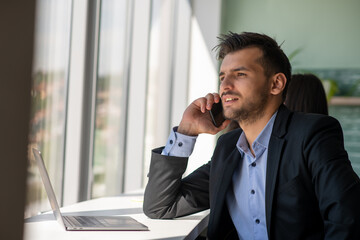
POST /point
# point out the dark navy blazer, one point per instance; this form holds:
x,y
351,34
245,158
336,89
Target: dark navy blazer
x,y
311,190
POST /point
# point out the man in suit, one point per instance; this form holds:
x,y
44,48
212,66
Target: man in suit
x,y
282,175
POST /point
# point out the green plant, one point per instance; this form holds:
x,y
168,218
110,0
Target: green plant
x,y
353,89
330,87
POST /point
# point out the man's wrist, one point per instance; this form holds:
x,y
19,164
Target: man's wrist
x,y
187,130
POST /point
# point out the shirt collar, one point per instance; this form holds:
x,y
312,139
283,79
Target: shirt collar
x,y
262,139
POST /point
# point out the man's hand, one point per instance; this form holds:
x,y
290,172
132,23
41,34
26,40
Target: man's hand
x,y
196,118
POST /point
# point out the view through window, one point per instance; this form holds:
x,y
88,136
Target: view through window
x,y
50,74
110,99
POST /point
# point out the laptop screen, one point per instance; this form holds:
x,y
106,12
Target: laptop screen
x,y
48,187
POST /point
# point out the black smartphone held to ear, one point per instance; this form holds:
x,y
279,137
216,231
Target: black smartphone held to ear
x,y
217,114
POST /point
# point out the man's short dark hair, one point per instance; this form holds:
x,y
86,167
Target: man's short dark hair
x,y
273,61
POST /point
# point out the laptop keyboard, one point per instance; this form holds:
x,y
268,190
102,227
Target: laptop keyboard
x,y
85,221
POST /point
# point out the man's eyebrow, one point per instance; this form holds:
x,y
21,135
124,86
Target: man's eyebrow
x,y
235,70
240,69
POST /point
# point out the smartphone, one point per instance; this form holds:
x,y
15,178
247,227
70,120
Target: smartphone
x,y
216,113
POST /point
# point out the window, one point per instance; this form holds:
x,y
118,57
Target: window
x,y
52,43
111,98
161,50
105,75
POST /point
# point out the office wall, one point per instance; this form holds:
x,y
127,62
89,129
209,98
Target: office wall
x,y
16,46
326,30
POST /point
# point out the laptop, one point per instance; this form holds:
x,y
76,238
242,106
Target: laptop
x,y
84,223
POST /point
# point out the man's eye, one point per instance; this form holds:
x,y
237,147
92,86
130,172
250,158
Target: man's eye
x,y
241,74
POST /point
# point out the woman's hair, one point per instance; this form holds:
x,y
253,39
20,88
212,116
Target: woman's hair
x,y
306,94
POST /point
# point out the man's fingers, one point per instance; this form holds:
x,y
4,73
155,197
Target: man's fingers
x,y
211,99
200,103
196,118
206,103
216,97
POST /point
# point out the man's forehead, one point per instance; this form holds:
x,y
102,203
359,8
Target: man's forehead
x,y
251,51
242,59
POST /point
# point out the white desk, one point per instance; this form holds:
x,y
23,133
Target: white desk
x,y
45,227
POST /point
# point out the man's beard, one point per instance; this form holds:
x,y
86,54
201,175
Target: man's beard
x,y
251,110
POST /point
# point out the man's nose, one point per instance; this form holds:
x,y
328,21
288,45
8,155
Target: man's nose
x,y
226,82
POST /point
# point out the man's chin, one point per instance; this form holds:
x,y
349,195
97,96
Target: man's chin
x,y
231,116
234,115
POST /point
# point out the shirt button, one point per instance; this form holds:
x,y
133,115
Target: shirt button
x,y
252,191
180,144
257,221
253,164
171,141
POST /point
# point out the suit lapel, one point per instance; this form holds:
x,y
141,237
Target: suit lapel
x,y
224,180
274,156
276,146
227,171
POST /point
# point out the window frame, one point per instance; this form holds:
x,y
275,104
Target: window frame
x,y
80,120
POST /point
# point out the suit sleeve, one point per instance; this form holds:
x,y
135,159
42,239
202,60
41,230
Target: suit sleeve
x,y
336,184
167,195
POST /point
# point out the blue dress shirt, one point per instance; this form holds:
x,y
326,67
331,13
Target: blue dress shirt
x,y
246,197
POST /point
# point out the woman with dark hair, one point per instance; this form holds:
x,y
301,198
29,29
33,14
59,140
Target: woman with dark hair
x,y
306,94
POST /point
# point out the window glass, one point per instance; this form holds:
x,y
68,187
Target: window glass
x,y
153,90
110,99
50,74
158,99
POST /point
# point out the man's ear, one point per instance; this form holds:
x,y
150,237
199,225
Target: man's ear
x,y
278,82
